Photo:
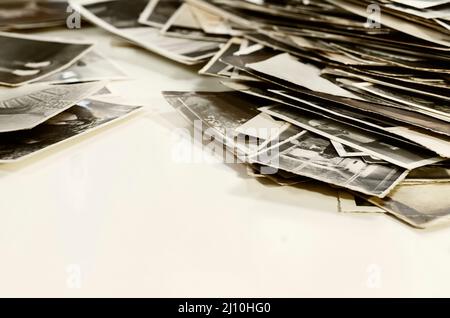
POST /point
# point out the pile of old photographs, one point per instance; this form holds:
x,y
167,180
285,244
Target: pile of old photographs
x,y
51,90
354,94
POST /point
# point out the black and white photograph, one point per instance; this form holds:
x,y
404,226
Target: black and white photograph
x,y
223,111
158,12
314,157
263,127
184,22
82,118
430,174
215,24
226,113
403,155
376,109
289,69
431,107
30,58
29,110
91,67
281,178
383,125
404,131
20,15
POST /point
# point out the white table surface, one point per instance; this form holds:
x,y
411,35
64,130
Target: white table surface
x,y
113,214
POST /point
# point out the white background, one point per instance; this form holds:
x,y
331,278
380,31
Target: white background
x,y
112,214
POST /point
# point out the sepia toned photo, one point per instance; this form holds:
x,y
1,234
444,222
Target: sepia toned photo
x,y
411,203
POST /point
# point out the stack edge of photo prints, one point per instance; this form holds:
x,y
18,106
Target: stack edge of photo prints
x,y
354,94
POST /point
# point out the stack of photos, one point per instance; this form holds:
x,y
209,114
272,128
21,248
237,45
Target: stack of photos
x,y
51,93
364,87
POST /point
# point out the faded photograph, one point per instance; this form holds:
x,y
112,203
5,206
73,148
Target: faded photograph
x,y
346,151
430,174
30,110
158,12
121,18
313,156
413,204
224,112
215,67
91,67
